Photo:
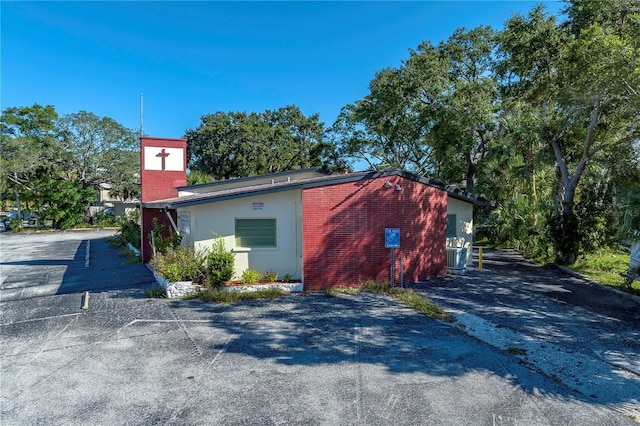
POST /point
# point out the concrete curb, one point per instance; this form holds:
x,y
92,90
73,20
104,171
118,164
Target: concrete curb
x,y
590,281
133,249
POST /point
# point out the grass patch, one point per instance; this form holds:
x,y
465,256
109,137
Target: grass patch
x,y
517,351
156,292
223,296
605,266
344,290
405,296
135,259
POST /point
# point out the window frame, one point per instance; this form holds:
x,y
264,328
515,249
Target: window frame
x,y
237,238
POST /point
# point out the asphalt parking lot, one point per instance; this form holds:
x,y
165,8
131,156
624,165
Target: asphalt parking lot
x,y
49,263
300,359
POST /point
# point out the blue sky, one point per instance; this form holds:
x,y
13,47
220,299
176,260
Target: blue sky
x,y
194,58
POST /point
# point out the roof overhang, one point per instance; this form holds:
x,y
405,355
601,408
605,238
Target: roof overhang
x,y
314,182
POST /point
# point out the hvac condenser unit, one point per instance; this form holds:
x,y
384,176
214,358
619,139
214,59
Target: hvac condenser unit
x,y
456,260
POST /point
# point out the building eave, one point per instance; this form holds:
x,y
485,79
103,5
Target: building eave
x,y
314,182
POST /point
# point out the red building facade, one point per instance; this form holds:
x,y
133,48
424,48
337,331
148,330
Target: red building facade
x,y
344,224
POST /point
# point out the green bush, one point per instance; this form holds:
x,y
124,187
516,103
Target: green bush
x,y
129,231
104,219
219,264
181,264
250,276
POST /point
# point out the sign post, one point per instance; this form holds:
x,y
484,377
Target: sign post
x,y
392,241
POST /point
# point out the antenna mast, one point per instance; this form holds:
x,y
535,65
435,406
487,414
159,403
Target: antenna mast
x,y
141,114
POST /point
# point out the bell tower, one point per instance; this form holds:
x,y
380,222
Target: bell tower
x,y
163,168
163,164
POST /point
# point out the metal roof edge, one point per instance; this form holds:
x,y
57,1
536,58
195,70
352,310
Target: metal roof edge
x,y
250,178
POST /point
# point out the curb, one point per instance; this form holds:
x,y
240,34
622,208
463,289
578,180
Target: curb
x,y
590,281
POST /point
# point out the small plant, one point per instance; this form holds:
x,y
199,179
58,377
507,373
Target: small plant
x,y
287,278
250,276
219,264
270,277
104,219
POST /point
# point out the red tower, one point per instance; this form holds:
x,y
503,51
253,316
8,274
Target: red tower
x,y
163,168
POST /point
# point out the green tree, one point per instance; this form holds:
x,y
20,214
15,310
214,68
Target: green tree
x,y
466,118
62,199
435,115
102,151
53,163
581,78
237,144
31,150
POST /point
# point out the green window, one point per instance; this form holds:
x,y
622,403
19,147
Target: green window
x,y
451,225
255,233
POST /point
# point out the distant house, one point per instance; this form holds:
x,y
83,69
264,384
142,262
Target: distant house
x,y
115,205
323,228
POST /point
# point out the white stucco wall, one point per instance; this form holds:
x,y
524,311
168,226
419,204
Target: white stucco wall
x,y
464,217
208,220
464,223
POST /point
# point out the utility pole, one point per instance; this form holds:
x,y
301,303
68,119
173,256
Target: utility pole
x,y
141,114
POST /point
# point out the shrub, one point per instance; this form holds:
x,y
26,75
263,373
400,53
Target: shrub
x,y
181,264
286,278
250,276
129,231
270,276
104,219
219,264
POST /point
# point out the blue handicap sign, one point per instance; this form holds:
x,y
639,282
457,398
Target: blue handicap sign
x,y
392,237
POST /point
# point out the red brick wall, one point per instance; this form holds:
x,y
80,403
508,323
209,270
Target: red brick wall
x,y
343,232
161,184
146,217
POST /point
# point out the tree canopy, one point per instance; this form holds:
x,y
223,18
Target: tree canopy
x,y
53,164
435,115
238,144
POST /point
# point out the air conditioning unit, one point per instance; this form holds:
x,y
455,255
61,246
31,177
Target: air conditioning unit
x,y
456,260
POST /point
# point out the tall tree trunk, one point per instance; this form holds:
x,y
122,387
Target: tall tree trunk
x,y
564,224
471,171
534,198
19,209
